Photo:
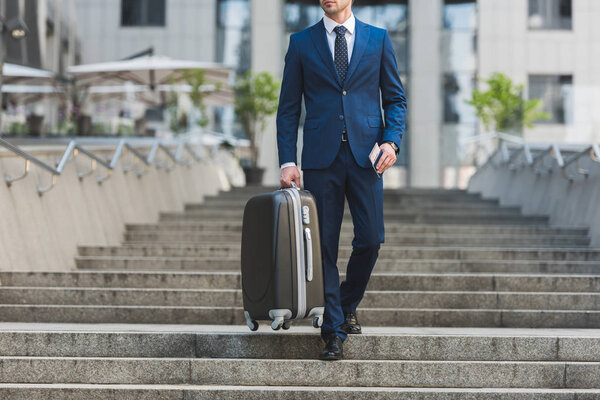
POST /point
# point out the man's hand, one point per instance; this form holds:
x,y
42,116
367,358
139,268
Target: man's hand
x,y
289,174
387,159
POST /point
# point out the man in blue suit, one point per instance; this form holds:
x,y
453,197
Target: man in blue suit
x,y
346,70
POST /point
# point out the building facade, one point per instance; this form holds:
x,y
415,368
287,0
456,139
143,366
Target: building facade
x,y
443,48
51,44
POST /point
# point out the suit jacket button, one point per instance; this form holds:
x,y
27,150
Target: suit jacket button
x,y
341,117
344,92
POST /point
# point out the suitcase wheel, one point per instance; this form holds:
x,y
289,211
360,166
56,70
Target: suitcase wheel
x,y
277,323
252,323
280,318
286,325
317,321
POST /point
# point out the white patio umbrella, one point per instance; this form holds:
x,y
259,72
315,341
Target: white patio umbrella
x,y
221,97
24,84
152,77
146,70
25,94
20,74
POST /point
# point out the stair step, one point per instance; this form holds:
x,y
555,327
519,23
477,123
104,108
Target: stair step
x,y
429,192
386,252
390,228
390,212
233,298
408,214
113,263
387,198
202,392
586,319
351,373
379,281
301,342
406,219
390,239
416,205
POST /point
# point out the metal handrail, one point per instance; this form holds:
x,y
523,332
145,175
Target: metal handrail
x,y
492,135
193,152
74,148
526,151
554,150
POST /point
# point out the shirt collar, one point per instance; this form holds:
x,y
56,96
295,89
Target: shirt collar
x,y
331,24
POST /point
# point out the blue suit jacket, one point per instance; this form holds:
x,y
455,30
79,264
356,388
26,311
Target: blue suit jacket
x,y
310,71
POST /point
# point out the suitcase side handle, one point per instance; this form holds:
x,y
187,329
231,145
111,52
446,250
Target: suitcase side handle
x,y
309,256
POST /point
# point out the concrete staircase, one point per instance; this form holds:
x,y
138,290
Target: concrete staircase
x,y
459,307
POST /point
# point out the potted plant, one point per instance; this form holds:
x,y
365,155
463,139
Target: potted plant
x,y
256,98
35,124
84,125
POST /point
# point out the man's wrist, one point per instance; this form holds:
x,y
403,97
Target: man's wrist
x,y
288,164
394,145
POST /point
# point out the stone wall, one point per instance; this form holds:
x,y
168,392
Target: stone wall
x,y
43,232
568,203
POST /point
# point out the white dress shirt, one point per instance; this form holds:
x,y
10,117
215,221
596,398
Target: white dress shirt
x,y
330,24
349,24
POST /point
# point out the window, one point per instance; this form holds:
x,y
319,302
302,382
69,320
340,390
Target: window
x,y
233,34
459,71
457,89
550,14
460,14
233,48
556,93
458,51
143,12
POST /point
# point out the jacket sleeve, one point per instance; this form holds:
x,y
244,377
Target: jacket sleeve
x,y
290,105
392,95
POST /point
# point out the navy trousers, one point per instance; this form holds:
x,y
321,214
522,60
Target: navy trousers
x,y
344,178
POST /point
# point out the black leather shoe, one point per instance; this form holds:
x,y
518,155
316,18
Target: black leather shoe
x,y
351,325
333,349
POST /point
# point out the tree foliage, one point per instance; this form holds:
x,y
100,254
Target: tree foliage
x,y
502,107
196,78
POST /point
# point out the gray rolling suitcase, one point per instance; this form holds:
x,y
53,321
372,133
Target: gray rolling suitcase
x,y
282,276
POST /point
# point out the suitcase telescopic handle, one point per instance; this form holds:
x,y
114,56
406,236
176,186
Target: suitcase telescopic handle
x,y
309,257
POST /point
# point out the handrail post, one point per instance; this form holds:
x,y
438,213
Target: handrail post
x,y
82,175
556,154
527,151
42,190
10,180
595,152
504,151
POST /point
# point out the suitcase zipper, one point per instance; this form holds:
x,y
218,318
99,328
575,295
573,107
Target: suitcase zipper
x,y
300,262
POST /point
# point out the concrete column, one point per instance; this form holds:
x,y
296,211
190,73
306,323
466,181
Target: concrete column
x,y
425,102
267,55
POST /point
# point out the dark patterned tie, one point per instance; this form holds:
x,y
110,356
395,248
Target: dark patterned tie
x,y
341,52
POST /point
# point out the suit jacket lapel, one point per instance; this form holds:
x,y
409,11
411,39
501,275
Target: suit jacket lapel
x,y
360,44
319,38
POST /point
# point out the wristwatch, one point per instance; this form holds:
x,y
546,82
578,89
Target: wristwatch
x,y
394,146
